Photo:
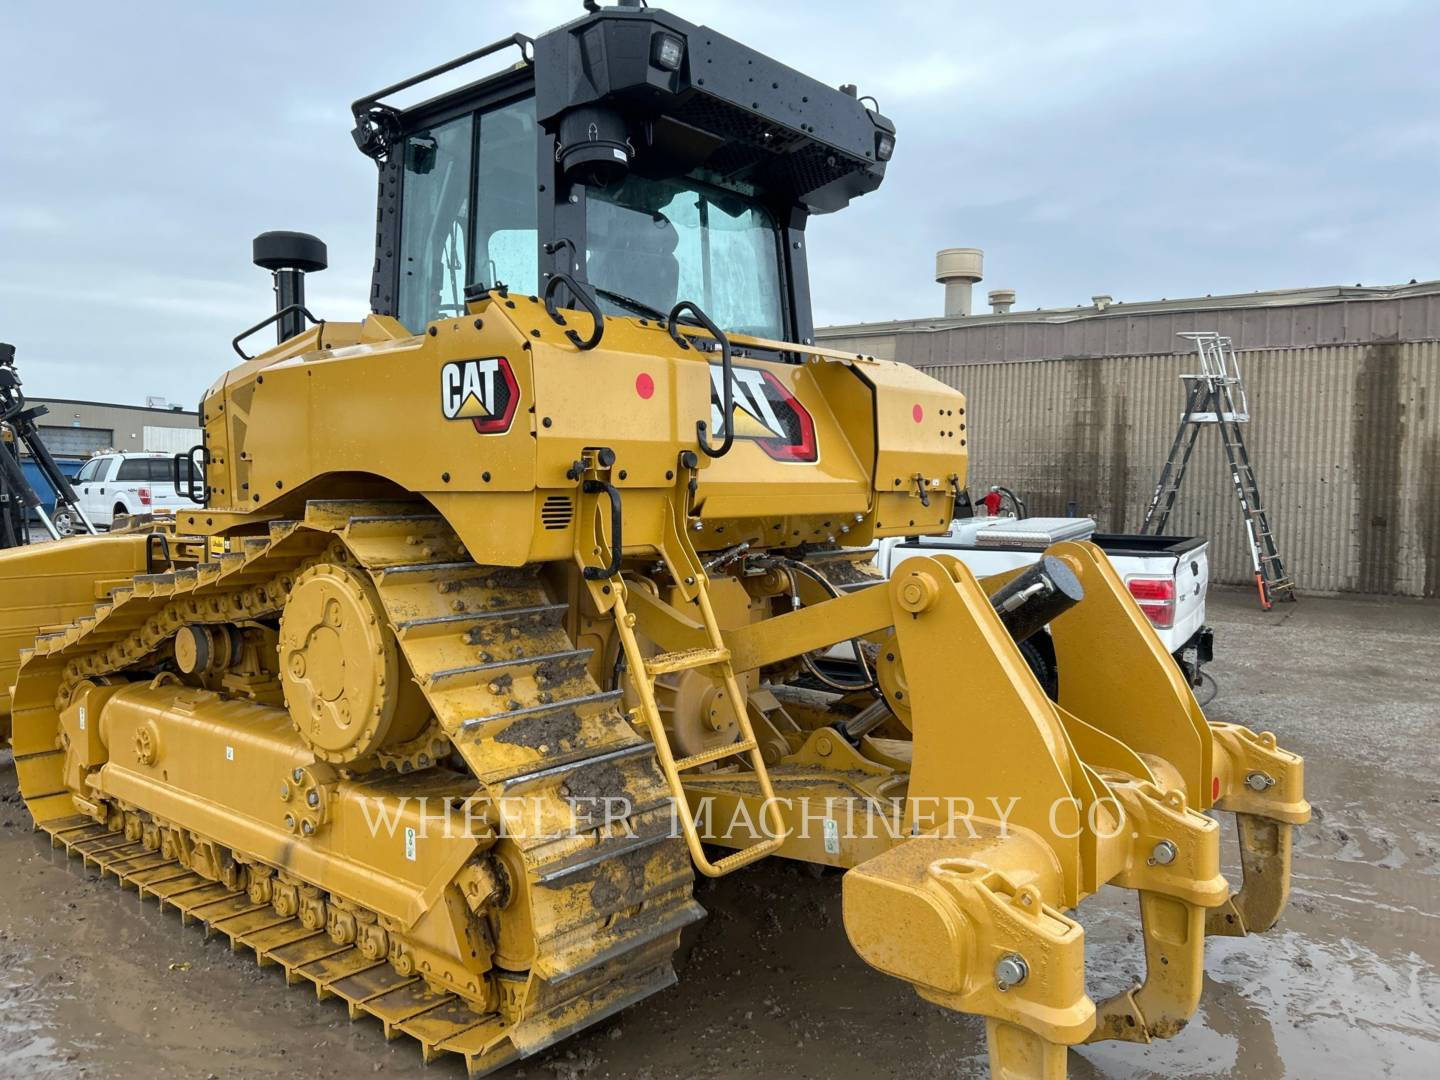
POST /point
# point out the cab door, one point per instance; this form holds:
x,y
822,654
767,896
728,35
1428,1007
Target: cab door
x,y
90,487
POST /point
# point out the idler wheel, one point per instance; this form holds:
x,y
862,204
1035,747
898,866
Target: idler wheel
x,y
348,688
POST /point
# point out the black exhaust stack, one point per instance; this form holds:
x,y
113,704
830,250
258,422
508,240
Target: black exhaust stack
x,y
289,256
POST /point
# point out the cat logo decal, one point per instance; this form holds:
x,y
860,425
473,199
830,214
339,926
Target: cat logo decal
x,y
482,391
765,412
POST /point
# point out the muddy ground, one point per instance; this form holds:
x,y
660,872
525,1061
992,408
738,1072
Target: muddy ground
x,y
96,983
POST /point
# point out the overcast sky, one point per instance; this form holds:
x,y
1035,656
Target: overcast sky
x,y
1141,149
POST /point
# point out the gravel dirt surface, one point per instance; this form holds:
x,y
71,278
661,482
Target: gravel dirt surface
x,y
97,983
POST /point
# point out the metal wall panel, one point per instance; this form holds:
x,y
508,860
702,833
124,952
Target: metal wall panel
x,y
171,440
123,426
1345,441
75,441
1142,329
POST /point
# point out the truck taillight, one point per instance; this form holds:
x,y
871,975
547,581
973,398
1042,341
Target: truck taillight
x,y
1156,597
144,496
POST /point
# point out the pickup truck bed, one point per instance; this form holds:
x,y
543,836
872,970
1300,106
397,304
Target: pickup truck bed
x,y
1167,575
1141,545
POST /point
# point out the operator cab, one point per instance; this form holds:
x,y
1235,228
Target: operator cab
x,y
649,160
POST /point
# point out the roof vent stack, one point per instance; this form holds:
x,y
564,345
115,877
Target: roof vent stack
x,y
958,269
1001,301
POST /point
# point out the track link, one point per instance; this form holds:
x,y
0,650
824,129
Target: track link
x,y
607,897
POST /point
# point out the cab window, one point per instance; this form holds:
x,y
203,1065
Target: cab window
x,y
434,223
91,470
506,234
468,211
655,242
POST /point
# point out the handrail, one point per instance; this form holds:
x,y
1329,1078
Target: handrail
x,y
361,108
197,479
287,310
727,375
602,573
591,308
164,550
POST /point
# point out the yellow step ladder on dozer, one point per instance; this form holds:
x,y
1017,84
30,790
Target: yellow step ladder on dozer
x,y
714,661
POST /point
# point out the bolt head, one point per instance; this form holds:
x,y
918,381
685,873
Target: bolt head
x,y
312,799
1011,971
1164,853
1259,781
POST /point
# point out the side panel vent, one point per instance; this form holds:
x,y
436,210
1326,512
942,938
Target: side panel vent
x,y
557,512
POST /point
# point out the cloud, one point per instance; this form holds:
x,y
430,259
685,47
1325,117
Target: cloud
x,y
30,219
1134,148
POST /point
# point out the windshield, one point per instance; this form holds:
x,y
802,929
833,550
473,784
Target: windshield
x,y
658,242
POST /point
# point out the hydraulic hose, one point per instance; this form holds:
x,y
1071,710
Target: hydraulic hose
x,y
793,567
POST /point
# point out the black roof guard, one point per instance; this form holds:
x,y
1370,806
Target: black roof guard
x,y
374,129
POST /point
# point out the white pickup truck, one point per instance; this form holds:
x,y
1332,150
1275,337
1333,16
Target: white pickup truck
x,y
116,485
1167,575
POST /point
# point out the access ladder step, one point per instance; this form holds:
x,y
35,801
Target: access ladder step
x,y
747,855
685,660
706,756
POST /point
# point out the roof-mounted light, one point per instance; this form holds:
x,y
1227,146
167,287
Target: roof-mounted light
x,y
884,146
667,51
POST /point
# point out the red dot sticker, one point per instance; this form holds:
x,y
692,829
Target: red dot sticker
x,y
918,413
644,386
1214,788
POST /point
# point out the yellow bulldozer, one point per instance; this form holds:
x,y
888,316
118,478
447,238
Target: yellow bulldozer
x,y
496,615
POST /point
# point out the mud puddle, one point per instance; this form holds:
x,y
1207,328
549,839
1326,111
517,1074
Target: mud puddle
x,y
96,983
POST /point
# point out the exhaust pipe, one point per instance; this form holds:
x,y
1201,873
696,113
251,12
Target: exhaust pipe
x,y
289,256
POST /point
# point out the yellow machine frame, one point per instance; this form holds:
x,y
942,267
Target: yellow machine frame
x,y
967,862
476,645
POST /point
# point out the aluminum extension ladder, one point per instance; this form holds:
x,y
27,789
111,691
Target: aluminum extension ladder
x,y
1216,395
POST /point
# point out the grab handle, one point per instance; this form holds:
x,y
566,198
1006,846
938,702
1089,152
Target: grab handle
x,y
600,573
727,370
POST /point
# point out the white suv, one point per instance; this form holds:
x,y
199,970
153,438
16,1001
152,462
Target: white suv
x,y
115,485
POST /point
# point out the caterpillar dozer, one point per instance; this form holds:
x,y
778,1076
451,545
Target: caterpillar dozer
x,y
497,613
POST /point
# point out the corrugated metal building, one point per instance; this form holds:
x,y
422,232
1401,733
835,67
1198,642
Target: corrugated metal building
x,y
79,428
1078,406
